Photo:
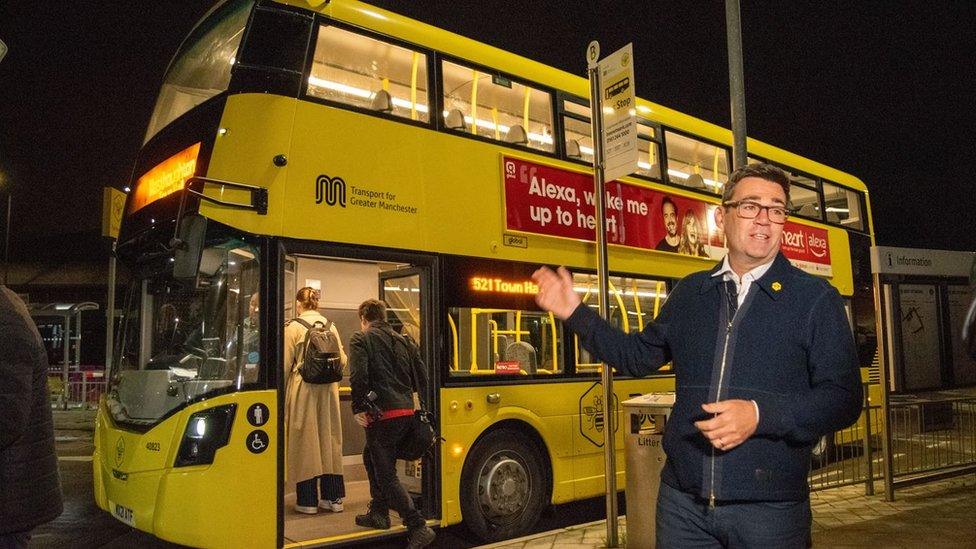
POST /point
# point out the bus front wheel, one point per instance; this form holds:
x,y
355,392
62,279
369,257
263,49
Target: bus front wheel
x,y
502,486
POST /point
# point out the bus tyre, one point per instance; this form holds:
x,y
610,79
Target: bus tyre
x,y
502,486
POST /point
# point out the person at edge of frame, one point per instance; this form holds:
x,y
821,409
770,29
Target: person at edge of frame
x,y
764,364
30,488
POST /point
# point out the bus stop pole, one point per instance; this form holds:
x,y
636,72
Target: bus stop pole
x,y
606,377
737,94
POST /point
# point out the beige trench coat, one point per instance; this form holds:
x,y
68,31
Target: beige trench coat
x,y
313,428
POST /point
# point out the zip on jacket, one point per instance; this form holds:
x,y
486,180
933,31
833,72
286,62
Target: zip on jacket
x,y
730,317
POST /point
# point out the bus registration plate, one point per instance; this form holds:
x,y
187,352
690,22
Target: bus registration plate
x,y
123,513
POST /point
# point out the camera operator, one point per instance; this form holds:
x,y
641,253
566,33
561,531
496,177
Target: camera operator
x,y
383,366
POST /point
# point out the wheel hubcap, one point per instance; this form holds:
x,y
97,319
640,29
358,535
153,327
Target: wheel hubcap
x,y
503,487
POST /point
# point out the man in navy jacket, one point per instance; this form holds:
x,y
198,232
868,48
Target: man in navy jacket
x,y
764,364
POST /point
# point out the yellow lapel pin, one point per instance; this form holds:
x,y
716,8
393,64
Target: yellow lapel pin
x,y
777,286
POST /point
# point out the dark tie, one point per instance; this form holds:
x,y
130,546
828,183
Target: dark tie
x,y
732,296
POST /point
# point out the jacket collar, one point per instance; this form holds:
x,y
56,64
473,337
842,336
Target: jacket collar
x,y
771,282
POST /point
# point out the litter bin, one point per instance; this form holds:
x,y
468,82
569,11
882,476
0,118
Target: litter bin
x,y
645,417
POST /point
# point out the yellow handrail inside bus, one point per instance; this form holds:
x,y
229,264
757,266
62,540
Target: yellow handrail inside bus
x,y
525,109
494,120
413,86
474,343
555,356
454,338
494,335
386,84
637,306
518,326
474,101
625,322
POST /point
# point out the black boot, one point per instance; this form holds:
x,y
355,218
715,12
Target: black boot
x,y
418,537
374,518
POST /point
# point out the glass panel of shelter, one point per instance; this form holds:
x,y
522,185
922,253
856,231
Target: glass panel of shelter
x,y
368,73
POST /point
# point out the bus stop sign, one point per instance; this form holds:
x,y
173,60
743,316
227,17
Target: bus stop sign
x,y
619,113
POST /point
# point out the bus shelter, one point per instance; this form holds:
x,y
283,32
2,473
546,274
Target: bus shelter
x,y
928,378
69,316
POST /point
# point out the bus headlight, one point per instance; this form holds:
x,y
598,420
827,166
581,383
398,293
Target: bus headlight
x,y
206,431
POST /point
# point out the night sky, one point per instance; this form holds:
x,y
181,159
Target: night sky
x,y
883,90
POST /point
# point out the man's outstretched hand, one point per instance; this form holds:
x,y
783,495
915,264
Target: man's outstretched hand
x,y
556,292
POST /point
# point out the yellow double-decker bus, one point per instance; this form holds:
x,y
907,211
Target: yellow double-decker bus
x,y
345,148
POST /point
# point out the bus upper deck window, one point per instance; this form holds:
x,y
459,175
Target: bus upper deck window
x,y
696,164
371,74
843,206
805,201
649,157
503,109
579,136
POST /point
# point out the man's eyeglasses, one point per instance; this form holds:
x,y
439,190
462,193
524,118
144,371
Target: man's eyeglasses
x,y
748,209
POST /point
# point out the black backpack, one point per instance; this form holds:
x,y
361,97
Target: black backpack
x,y
321,360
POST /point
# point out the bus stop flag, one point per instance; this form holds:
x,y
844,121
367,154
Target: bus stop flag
x,y
619,113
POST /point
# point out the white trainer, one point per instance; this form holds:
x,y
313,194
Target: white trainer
x,y
307,509
334,506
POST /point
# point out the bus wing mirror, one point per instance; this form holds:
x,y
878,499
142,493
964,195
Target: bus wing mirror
x,y
188,247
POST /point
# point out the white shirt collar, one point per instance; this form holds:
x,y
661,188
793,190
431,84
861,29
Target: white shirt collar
x,y
742,286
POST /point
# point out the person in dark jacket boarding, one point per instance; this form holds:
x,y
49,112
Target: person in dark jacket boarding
x,y
764,363
30,489
384,369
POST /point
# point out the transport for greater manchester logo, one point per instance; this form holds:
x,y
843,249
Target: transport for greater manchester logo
x,y
333,190
330,189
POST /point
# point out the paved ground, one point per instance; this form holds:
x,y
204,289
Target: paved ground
x,y
941,514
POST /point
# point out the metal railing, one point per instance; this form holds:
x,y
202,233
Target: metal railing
x,y
931,438
80,392
852,455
